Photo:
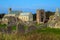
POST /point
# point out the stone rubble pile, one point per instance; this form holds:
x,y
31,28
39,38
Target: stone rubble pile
x,y
54,20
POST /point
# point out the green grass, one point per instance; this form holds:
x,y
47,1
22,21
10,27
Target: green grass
x,y
13,27
39,34
25,27
3,25
43,30
48,30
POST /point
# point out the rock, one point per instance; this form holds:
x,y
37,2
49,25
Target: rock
x,y
9,29
54,20
51,22
21,28
31,28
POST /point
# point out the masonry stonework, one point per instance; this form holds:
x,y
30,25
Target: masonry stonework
x,y
40,16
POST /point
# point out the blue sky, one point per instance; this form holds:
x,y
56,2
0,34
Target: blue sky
x,y
29,5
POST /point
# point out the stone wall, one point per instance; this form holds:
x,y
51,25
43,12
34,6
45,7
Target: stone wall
x,y
40,17
54,20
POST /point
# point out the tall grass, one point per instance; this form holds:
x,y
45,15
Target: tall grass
x,y
41,34
38,34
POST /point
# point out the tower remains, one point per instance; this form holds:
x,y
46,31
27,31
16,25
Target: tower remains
x,y
40,17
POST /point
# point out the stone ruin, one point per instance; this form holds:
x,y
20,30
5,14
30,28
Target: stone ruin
x,y
54,20
40,16
11,21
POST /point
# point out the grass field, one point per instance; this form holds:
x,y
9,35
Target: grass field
x,y
38,34
49,30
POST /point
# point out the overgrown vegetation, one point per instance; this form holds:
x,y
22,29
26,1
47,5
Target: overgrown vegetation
x,y
49,30
38,34
25,27
14,27
3,25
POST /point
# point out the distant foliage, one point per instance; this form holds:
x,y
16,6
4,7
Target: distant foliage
x,y
1,15
49,13
34,17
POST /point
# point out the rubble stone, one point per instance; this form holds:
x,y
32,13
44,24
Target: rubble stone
x,y
54,20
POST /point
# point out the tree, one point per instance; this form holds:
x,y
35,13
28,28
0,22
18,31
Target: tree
x,y
1,15
34,17
49,13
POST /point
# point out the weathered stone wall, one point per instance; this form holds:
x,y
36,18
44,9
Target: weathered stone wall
x,y
40,16
54,20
